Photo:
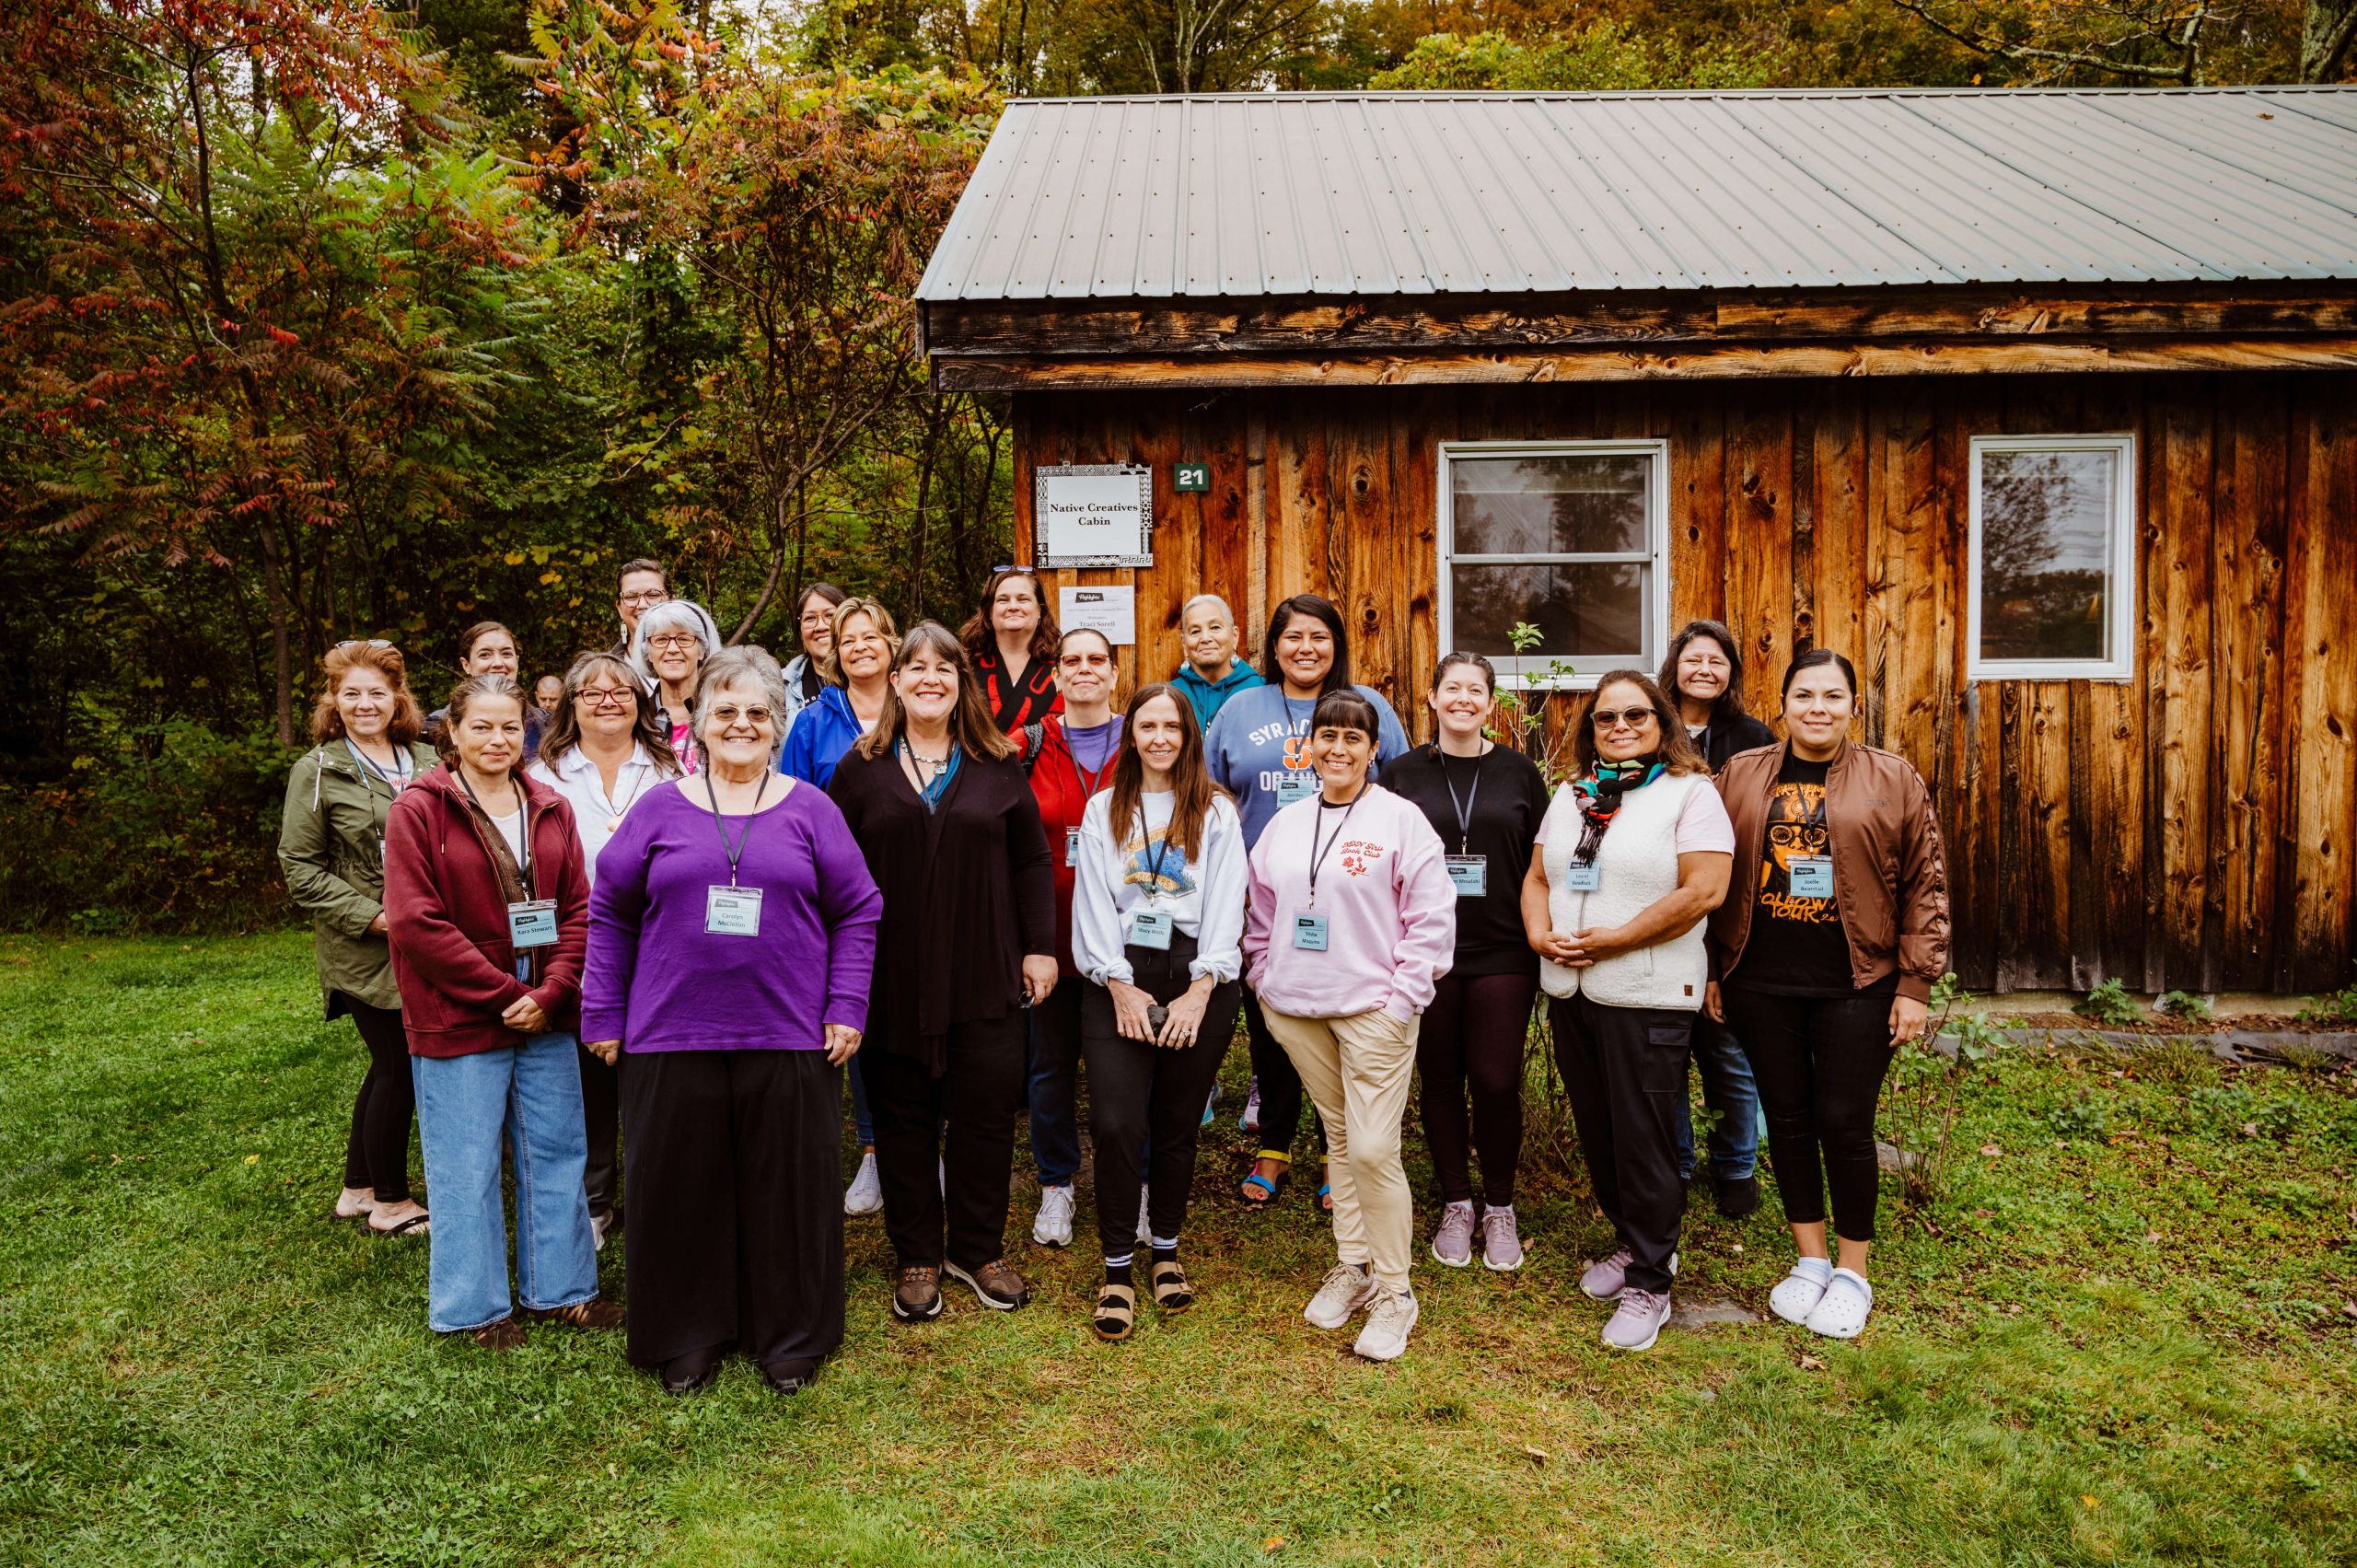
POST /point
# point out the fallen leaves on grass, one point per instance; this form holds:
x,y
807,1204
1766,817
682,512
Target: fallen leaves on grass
x,y
1992,1150
1274,1543
1536,1456
1812,1362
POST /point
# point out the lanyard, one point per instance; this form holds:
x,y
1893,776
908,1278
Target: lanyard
x,y
1318,852
607,796
523,810
938,784
1161,846
397,780
1464,807
1091,783
735,852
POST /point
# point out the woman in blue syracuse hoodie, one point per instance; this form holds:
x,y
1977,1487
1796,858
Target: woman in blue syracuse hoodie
x,y
1259,751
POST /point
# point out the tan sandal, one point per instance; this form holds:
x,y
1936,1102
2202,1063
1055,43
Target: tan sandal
x,y
1117,1311
1171,1291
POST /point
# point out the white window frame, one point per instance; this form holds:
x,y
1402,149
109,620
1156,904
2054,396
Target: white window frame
x,y
1531,672
2119,621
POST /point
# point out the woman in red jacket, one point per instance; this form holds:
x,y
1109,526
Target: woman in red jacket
x,y
488,910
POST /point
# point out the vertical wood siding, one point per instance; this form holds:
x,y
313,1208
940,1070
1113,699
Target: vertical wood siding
x,y
2189,828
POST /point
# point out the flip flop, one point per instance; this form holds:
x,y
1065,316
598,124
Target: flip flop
x,y
417,1224
1326,1197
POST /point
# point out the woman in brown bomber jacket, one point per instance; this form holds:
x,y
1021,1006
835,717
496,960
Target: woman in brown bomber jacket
x,y
1834,930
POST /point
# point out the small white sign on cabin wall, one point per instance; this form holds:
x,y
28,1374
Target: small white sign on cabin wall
x,y
1112,611
1094,514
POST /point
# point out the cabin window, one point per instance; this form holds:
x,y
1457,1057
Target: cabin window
x,y
2053,558
1569,539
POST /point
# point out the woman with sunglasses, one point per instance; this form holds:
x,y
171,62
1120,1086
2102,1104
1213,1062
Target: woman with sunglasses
x,y
603,752
331,849
1633,853
1826,958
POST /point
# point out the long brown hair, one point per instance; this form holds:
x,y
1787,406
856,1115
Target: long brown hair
x,y
970,724
1320,608
565,730
1677,753
977,637
408,721
464,696
1191,789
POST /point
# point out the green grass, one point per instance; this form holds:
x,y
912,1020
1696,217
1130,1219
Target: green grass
x,y
2122,1340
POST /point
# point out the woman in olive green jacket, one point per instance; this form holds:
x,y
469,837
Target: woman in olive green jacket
x,y
332,848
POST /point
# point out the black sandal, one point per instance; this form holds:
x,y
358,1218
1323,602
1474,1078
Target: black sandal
x,y
1171,1291
1117,1311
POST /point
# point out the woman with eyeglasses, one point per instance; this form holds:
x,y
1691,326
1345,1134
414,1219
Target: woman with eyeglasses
x,y
674,639
1632,854
938,803
1485,800
732,935
639,586
332,848
1011,642
1825,960
808,672
603,753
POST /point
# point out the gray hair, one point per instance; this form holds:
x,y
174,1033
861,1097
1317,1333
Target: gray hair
x,y
671,615
1206,598
740,666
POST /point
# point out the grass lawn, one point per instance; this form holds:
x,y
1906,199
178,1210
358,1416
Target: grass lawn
x,y
2125,1340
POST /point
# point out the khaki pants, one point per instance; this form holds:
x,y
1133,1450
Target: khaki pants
x,y
1357,1071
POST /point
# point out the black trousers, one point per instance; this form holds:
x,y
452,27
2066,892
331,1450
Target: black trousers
x,y
1820,1063
734,1159
1471,1043
979,1092
1280,1084
601,1119
376,1155
1138,1092
1624,1072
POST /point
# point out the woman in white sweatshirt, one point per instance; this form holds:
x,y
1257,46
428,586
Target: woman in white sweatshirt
x,y
1351,919
1157,917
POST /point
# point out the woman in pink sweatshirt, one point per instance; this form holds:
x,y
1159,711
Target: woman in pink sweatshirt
x,y
1351,918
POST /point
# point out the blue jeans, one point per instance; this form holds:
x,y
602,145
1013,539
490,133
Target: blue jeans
x,y
1727,1089
862,1124
527,1097
1052,1072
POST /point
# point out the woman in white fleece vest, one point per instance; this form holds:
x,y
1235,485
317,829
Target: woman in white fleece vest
x,y
1634,853
1350,919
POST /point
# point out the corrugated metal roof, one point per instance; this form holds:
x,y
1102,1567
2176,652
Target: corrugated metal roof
x,y
1392,193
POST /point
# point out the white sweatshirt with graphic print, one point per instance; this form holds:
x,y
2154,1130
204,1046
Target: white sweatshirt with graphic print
x,y
1204,896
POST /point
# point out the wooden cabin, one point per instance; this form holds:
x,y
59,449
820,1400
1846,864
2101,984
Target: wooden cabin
x,y
2042,406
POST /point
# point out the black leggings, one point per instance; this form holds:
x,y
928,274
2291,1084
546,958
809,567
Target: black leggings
x,y
376,1155
1280,1084
1820,1063
1472,1039
1137,1091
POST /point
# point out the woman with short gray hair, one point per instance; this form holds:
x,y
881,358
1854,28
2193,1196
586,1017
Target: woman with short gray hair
x,y
731,937
668,651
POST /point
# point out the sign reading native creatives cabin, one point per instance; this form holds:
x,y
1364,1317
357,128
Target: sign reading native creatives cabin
x,y
1094,514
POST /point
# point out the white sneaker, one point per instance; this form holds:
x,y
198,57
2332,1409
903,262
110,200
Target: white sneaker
x,y
1347,1287
1053,1227
1145,1220
866,1193
1840,1312
1385,1338
598,1226
1797,1294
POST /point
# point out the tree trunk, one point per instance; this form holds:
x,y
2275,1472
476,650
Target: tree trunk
x,y
2326,32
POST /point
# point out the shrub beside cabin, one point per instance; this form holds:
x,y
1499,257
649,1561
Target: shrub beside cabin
x,y
2041,406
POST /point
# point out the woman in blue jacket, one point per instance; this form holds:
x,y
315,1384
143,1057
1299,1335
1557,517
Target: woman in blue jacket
x,y
864,640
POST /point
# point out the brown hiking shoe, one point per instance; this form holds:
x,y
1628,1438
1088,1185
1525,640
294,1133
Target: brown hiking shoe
x,y
917,1300
505,1335
595,1313
996,1283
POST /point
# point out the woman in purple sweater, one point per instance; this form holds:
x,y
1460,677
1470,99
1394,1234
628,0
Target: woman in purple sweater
x,y
731,935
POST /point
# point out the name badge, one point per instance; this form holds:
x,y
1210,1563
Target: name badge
x,y
1309,932
1812,876
1470,872
1151,928
1294,787
1072,846
532,923
1583,879
732,911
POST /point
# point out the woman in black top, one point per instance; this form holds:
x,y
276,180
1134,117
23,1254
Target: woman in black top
x,y
1485,801
1012,643
940,810
1703,674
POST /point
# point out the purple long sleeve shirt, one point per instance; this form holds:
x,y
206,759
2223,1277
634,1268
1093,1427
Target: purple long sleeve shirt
x,y
657,981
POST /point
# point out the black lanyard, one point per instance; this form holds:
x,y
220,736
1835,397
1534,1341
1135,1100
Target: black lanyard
x,y
735,852
1161,848
1318,852
1091,783
523,810
1464,807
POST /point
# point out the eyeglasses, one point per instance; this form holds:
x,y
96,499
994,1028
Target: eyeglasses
x,y
362,643
1613,718
607,696
676,643
730,716
644,596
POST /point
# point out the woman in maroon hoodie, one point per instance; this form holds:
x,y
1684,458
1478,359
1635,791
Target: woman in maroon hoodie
x,y
489,916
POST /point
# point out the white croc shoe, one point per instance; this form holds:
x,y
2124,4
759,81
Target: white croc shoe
x,y
1841,1313
1797,1294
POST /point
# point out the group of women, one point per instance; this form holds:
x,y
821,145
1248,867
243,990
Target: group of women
x,y
953,865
